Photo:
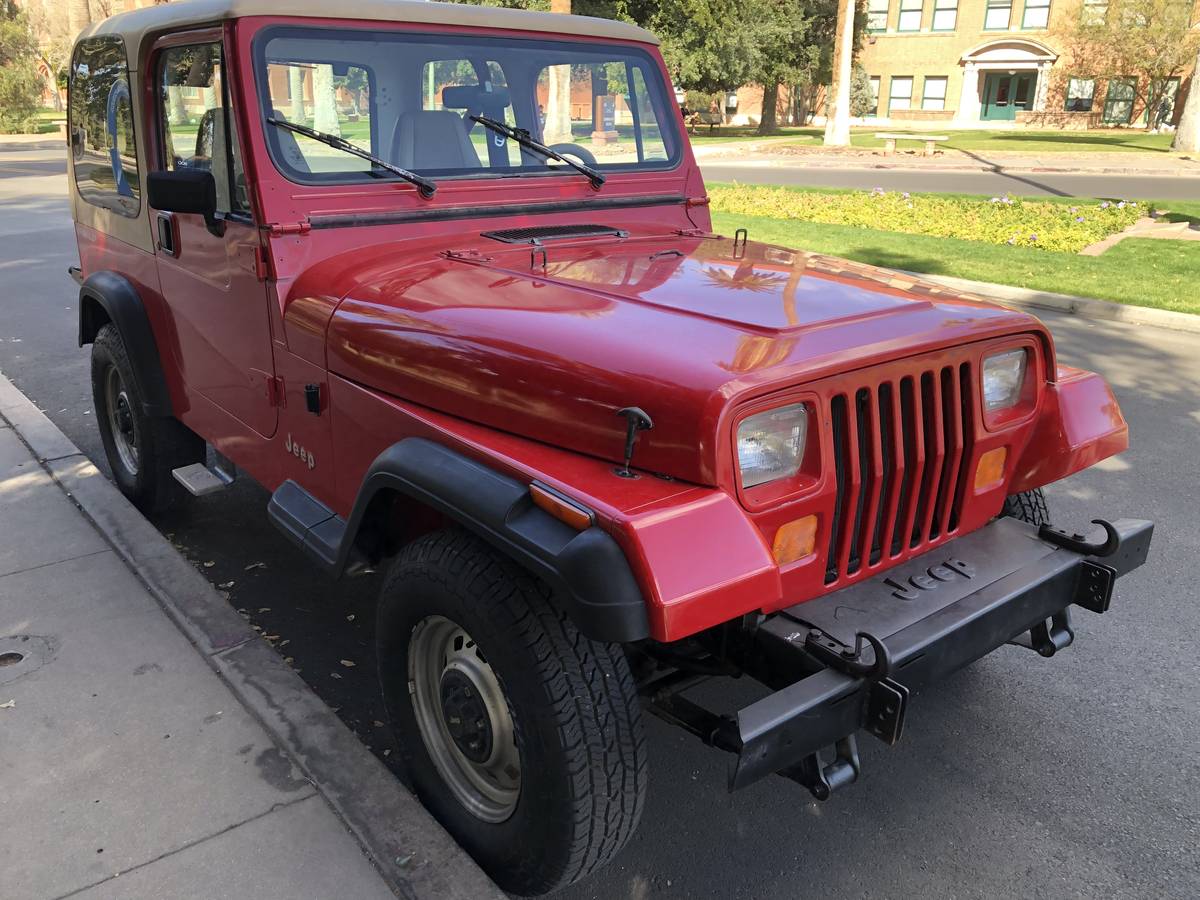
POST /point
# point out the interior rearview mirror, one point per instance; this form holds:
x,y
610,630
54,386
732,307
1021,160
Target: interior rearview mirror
x,y
186,191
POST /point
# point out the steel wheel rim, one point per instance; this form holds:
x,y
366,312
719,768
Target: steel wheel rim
x,y
121,422
464,719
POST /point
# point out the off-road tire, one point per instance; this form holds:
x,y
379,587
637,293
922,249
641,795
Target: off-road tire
x,y
1028,506
163,443
574,709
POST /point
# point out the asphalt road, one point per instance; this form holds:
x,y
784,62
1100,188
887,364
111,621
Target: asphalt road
x,y
1077,776
1130,187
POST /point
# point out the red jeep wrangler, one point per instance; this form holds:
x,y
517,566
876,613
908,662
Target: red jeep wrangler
x,y
443,279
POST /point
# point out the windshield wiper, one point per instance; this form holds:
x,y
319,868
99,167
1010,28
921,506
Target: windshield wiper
x,y
525,139
427,187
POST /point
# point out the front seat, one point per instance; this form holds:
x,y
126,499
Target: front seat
x,y
433,139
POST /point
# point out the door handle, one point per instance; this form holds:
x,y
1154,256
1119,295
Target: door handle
x,y
168,234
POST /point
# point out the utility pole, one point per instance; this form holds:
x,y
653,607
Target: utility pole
x,y
837,124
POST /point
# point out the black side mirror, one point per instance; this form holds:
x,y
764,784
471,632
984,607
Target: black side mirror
x,y
186,191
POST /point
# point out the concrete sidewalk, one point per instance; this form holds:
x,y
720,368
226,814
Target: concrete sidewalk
x,y
781,153
132,764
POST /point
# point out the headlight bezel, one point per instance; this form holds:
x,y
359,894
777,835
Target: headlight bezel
x,y
1024,401
805,477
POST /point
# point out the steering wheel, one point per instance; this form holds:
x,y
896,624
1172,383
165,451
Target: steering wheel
x,y
581,153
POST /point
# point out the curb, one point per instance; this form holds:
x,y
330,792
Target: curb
x,y
412,852
865,165
1084,307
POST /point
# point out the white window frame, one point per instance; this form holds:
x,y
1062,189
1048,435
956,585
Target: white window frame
x,y
1042,9
911,14
933,101
997,6
944,10
893,98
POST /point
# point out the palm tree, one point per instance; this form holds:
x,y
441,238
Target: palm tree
x,y
837,124
79,16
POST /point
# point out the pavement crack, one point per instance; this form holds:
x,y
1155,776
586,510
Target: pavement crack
x,y
274,808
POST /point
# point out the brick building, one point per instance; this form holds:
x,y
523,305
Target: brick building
x,y
992,63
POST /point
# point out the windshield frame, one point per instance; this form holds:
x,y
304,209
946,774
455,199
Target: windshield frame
x,y
666,114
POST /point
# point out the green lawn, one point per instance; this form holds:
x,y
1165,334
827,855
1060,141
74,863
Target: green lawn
x,y
1141,272
1109,140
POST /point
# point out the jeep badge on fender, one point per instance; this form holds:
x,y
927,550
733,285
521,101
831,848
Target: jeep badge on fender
x,y
522,357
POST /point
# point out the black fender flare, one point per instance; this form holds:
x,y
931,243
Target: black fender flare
x,y
587,569
122,305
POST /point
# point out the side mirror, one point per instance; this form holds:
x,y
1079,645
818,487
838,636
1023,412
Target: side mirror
x,y
186,191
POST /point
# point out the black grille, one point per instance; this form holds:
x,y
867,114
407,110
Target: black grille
x,y
538,233
898,448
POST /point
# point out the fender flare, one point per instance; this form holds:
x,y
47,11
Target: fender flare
x,y
121,303
587,569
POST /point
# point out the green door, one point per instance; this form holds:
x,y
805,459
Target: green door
x,y
1004,94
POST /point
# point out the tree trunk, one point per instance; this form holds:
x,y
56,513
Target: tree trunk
x,y
79,17
769,123
837,124
1187,136
296,88
557,128
325,117
176,111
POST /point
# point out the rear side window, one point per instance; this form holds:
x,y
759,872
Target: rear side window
x,y
101,114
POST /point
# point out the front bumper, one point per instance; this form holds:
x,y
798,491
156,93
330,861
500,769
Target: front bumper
x,y
912,626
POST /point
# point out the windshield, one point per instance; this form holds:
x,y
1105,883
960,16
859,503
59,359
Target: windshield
x,y
414,101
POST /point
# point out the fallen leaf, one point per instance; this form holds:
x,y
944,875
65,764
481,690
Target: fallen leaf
x,y
283,644
209,564
387,752
263,609
377,724
348,663
350,618
335,675
11,704
227,585
257,565
271,637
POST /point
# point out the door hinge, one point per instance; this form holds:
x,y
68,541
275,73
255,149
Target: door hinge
x,y
278,229
276,393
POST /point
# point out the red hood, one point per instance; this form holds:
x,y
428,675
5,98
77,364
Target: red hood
x,y
684,327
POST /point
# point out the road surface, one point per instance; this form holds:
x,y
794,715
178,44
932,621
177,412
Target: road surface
x,y
1077,776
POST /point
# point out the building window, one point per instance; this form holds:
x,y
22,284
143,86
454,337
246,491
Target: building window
x,y
999,12
1118,102
877,13
945,15
874,96
100,115
1037,14
935,93
1161,99
1094,12
901,92
910,15
1080,93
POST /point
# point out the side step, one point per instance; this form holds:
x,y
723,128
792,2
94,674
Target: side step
x,y
199,480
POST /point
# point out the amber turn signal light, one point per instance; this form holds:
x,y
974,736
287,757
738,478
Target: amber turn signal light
x,y
990,470
565,510
795,540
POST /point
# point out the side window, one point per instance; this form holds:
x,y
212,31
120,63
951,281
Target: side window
x,y
197,130
102,139
334,98
468,88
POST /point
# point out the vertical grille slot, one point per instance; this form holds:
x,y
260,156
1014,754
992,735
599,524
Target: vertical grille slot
x,y
837,416
901,450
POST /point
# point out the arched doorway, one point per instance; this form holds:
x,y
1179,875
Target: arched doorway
x,y
1003,78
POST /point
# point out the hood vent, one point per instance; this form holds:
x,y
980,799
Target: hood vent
x,y
539,233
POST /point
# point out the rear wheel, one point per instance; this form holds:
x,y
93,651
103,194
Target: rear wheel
x,y
522,736
142,450
1028,506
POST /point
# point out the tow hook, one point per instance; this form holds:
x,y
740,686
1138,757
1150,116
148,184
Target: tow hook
x,y
1077,543
883,712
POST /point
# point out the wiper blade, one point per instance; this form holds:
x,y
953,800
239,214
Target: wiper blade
x,y
426,186
525,139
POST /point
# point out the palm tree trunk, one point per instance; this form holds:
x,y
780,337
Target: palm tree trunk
x,y
325,117
79,16
1187,136
837,125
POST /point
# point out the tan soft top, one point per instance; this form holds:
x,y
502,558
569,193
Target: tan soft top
x,y
139,24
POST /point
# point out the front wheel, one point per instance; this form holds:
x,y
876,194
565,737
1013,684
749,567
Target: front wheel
x,y
1028,506
522,736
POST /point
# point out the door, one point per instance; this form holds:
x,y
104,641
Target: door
x,y
1004,94
209,275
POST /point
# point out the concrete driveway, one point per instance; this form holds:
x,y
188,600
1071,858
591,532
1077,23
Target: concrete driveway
x,y
1077,776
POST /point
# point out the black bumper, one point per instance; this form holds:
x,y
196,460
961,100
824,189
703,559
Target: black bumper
x,y
921,621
